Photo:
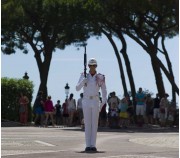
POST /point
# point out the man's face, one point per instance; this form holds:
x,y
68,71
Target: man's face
x,y
113,94
92,67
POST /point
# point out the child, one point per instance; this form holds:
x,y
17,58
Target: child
x,y
114,115
123,114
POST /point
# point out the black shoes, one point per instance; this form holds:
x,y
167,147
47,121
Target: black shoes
x,y
89,149
93,149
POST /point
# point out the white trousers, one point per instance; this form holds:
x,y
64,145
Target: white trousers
x,y
91,116
140,110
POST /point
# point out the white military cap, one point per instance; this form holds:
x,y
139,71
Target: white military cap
x,y
92,61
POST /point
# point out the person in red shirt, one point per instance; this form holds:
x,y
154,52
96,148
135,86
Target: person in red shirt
x,y
23,109
49,110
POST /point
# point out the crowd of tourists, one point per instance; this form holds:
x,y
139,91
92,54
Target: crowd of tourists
x,y
144,111
69,113
116,113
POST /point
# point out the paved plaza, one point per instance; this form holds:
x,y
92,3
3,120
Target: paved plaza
x,y
36,142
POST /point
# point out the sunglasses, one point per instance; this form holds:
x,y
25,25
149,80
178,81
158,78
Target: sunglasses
x,y
93,65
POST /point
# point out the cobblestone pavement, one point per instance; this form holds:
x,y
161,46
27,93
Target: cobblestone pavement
x,y
30,142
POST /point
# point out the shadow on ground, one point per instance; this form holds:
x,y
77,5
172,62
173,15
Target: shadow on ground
x,y
91,152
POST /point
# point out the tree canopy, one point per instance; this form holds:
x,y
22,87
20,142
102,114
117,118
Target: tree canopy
x,y
47,25
146,22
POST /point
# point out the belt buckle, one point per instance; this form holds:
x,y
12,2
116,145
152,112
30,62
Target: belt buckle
x,y
91,97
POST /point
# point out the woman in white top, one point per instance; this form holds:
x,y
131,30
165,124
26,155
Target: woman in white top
x,y
71,108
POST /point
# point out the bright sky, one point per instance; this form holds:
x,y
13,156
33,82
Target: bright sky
x,y
67,65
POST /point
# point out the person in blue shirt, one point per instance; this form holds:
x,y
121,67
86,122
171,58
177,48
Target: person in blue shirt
x,y
140,106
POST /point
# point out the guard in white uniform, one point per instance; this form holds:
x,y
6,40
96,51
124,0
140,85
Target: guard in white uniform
x,y
90,103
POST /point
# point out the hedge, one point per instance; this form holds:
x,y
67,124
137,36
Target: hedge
x,y
10,93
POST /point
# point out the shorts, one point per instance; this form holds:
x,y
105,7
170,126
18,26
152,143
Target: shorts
x,y
156,113
39,111
123,115
140,110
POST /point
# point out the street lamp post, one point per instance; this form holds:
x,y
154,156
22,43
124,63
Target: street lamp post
x,y
26,77
67,90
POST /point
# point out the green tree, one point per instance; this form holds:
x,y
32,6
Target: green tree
x,y
145,21
11,89
97,20
106,15
46,25
150,23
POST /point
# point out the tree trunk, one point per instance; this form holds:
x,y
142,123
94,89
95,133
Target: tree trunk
x,y
44,71
128,66
169,67
119,60
168,75
158,76
151,49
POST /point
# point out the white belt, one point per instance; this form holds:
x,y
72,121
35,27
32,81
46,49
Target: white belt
x,y
91,97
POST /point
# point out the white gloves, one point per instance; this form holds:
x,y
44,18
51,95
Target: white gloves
x,y
85,80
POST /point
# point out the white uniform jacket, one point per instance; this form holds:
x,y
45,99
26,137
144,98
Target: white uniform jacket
x,y
92,87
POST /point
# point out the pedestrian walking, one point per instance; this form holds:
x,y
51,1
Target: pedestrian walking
x,y
91,86
38,109
49,110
